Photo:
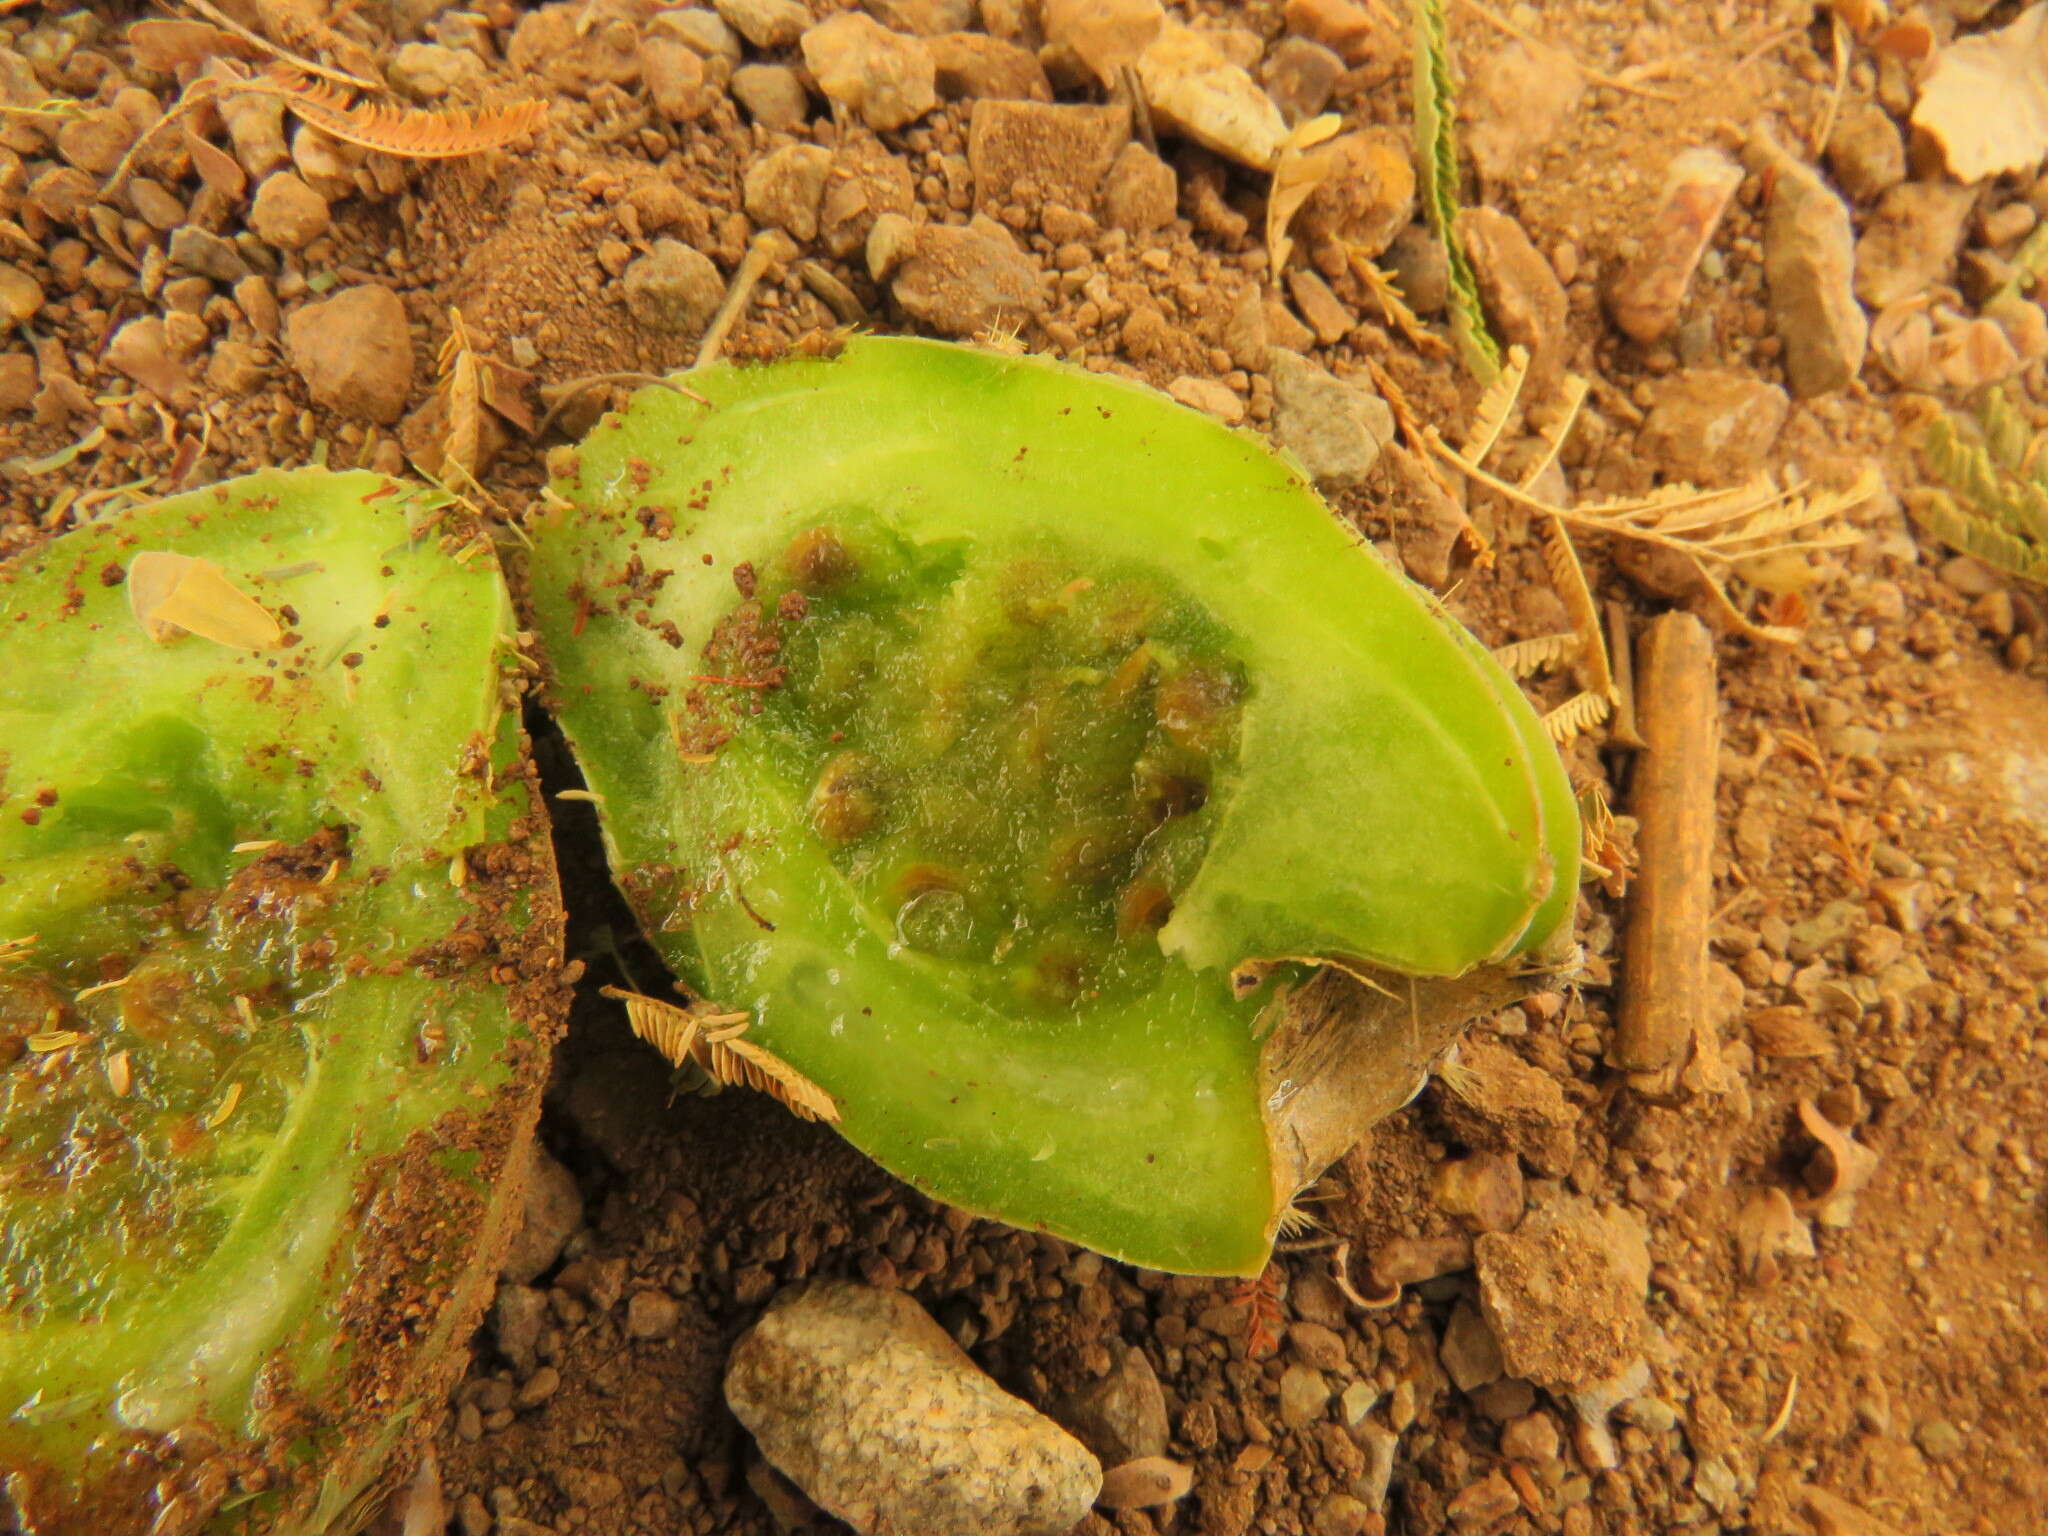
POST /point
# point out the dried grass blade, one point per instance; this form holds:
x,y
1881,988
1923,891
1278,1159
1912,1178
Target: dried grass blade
x,y
413,134
1496,404
741,1061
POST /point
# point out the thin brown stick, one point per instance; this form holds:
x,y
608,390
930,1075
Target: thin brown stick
x,y
227,23
1824,129
1664,976
1622,732
765,247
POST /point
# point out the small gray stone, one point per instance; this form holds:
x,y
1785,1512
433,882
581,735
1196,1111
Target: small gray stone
x,y
553,1210
961,281
766,23
783,189
1122,1416
1421,269
1939,1440
202,252
863,1401
674,288
1809,256
1336,429
885,77
773,95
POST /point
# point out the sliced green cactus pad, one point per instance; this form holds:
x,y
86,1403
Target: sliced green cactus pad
x,y
976,725
278,946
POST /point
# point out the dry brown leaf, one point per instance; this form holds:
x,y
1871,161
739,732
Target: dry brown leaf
x,y
169,592
221,171
414,134
1768,1228
1986,100
1304,165
1845,1166
1789,1032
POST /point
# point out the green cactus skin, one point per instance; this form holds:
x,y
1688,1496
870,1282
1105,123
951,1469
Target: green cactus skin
x,y
903,800
224,1321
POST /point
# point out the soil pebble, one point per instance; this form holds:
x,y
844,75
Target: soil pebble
x,y
1647,298
674,288
1911,241
889,79
785,186
1369,196
768,24
1809,259
1029,151
1140,193
1563,1296
1713,428
1194,90
354,352
963,280
1121,1416
287,213
554,1209
1300,75
1866,151
867,1404
773,95
1522,295
1334,428
972,65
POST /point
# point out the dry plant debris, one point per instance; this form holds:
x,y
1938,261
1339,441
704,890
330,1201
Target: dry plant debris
x,y
1985,101
710,1040
170,592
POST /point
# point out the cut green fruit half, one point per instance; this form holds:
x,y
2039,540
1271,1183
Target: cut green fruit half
x,y
984,729
279,949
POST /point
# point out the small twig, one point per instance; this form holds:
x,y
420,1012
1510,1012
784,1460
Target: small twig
x,y
1825,128
1664,978
1340,1267
1622,732
1141,113
1784,1413
765,247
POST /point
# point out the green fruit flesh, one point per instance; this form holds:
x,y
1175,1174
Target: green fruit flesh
x,y
966,720
188,1154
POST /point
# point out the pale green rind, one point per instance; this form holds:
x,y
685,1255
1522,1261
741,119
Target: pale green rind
x,y
173,753
1386,803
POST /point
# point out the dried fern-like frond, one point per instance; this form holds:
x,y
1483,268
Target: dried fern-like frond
x,y
1568,576
1304,165
1490,416
670,1030
461,392
1524,658
410,133
734,1061
1395,308
1575,389
1577,714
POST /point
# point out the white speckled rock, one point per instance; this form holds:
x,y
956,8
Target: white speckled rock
x,y
868,1406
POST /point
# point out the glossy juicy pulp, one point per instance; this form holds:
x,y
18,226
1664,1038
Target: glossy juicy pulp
x,y
161,1246
1386,800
